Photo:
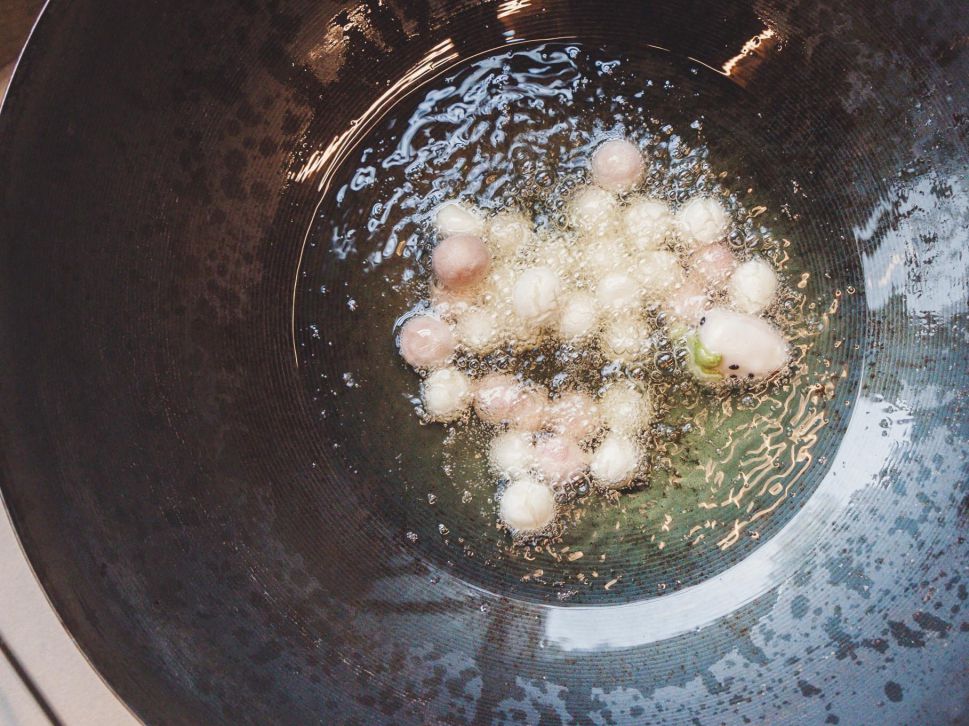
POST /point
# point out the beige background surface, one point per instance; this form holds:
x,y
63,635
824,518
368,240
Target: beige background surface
x,y
30,627
27,622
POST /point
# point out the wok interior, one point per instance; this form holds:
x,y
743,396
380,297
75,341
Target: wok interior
x,y
214,554
430,484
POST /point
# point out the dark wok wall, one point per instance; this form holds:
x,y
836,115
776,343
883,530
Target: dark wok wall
x,y
155,445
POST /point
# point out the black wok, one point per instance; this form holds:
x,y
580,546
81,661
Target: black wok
x,y
218,559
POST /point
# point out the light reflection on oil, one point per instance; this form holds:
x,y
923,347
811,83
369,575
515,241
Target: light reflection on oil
x,y
343,143
747,49
686,610
710,493
511,7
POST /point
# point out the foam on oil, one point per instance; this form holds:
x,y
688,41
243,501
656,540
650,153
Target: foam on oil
x,y
515,131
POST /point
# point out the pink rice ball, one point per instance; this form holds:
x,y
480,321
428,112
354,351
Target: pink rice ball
x,y
713,264
461,261
687,303
529,411
426,342
560,460
617,165
496,396
575,414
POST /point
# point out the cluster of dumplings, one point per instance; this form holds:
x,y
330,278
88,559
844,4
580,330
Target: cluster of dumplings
x,y
500,284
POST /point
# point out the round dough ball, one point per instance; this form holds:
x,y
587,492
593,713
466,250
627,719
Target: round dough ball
x,y
575,414
560,460
712,264
615,461
535,297
624,409
701,220
511,453
450,304
477,331
498,289
527,506
752,286
617,165
619,292
579,318
600,256
558,254
496,299
460,261
507,232
659,273
495,397
529,410
457,218
446,394
625,339
647,223
593,211
687,303
749,346
426,342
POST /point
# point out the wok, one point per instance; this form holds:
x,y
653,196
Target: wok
x,y
226,540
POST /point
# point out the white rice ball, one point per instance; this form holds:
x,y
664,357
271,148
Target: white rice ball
x,y
619,292
593,211
446,394
624,409
579,317
511,453
749,346
575,414
600,256
498,289
701,220
457,218
535,297
477,331
752,286
560,460
558,254
659,273
617,165
647,223
496,299
507,232
615,461
625,339
526,505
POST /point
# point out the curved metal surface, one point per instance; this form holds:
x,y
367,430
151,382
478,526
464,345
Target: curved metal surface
x,y
217,561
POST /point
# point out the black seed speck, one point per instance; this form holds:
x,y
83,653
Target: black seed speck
x,y
750,375
703,320
928,621
733,367
893,691
807,689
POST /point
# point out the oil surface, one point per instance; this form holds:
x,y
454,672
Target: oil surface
x,y
515,130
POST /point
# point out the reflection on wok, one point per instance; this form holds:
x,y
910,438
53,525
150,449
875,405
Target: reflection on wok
x,y
224,552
